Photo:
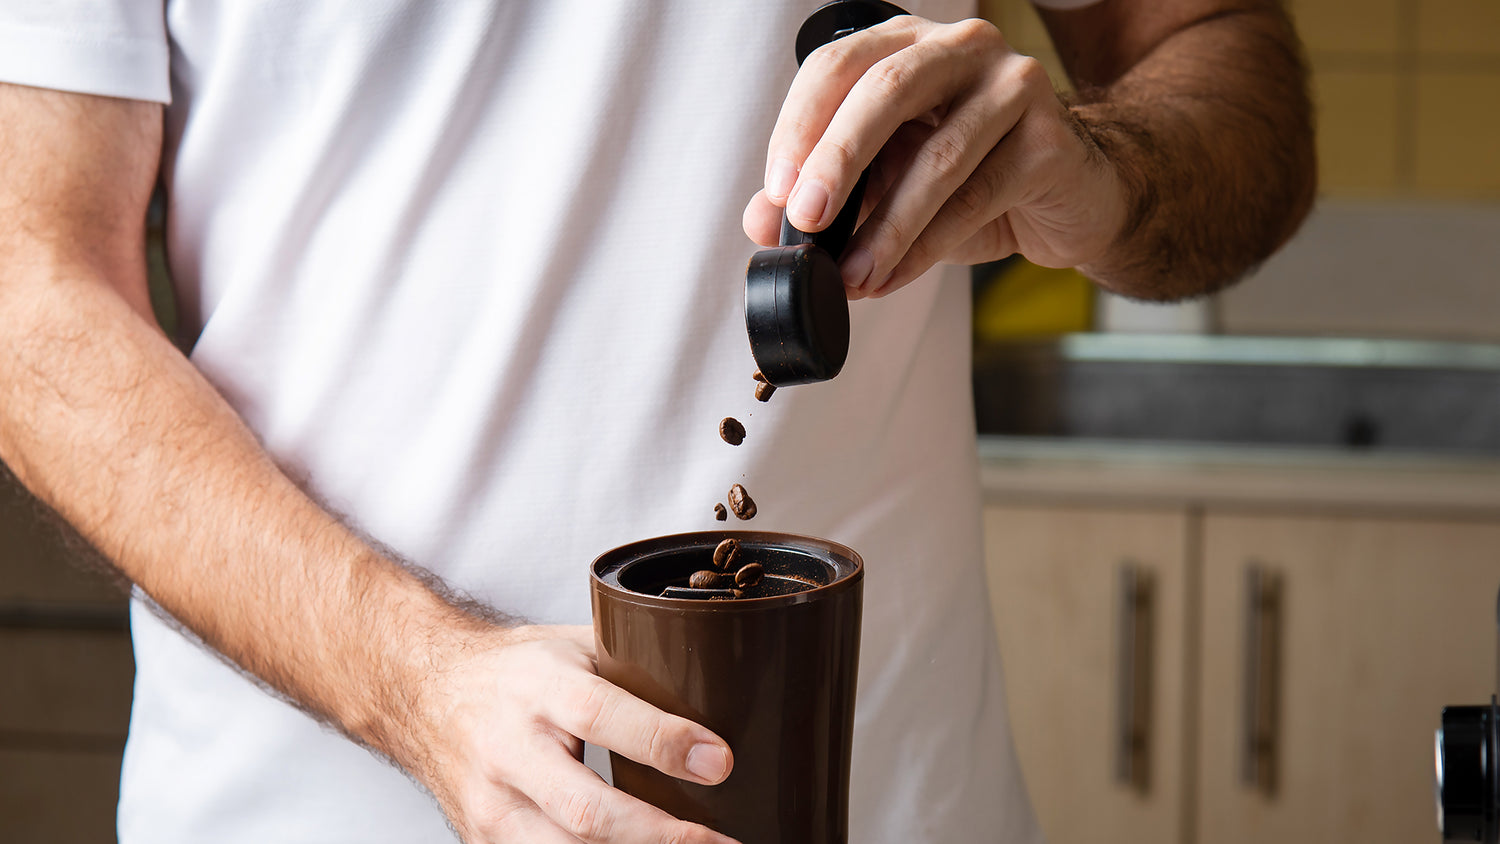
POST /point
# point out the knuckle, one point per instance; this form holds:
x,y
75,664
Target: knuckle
x,y
883,236
893,230
1028,74
976,31
835,58
891,77
659,743
685,833
944,153
592,706
800,132
971,200
841,151
583,814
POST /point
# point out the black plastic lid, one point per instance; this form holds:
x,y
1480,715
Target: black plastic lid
x,y
797,314
833,21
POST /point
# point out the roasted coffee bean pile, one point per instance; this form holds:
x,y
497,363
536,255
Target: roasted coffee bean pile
x,y
726,576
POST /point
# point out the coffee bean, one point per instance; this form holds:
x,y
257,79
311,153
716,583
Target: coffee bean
x,y
740,502
763,391
759,377
720,513
726,553
710,580
731,431
748,575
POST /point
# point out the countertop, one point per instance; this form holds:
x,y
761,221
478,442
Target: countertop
x,y
1055,470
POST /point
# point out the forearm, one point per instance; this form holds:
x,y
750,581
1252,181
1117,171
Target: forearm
x,y
1210,130
105,421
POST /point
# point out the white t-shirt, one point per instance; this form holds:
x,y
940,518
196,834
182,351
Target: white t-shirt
x,y
475,269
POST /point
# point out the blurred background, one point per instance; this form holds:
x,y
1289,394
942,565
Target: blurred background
x,y
1241,550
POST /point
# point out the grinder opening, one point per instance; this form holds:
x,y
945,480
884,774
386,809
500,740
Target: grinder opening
x,y
787,572
659,570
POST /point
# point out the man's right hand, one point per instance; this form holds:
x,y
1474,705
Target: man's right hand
x,y
505,721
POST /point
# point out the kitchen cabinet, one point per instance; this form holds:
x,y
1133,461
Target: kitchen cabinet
x,y
1058,578
1302,643
57,797
1382,622
65,698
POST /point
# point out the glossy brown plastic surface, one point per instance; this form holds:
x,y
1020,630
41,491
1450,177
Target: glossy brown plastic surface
x,y
774,676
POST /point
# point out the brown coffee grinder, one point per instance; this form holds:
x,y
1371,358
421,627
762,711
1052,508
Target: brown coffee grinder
x,y
796,311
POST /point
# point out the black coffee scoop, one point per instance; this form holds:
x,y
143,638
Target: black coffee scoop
x,y
796,311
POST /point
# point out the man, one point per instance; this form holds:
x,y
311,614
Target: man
x,y
467,274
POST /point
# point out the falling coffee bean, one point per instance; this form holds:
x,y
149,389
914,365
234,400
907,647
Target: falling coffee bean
x,y
710,580
763,391
748,575
731,431
725,553
720,513
740,502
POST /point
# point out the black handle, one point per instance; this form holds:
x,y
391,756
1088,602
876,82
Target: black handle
x,y
1133,637
1259,709
829,23
834,238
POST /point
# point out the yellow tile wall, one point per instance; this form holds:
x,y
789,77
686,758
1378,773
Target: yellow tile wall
x,y
1458,27
1358,128
1407,91
1458,134
1355,26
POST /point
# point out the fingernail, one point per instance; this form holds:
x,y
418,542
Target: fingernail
x,y
781,178
808,204
708,762
857,267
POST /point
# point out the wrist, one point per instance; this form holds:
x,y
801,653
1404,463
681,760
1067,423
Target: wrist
x,y
411,661
1125,147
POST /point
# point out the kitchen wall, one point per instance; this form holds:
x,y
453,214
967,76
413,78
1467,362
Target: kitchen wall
x,y
1406,238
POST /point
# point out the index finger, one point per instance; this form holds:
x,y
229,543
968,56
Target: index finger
x,y
826,77
606,715
577,800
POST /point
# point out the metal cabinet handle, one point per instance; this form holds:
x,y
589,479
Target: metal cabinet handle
x,y
1134,617
1260,706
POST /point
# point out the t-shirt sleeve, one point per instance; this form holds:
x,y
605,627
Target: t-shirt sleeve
x,y
116,48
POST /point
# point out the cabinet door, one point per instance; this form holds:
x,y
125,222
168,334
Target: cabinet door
x,y
1055,585
65,684
1378,624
